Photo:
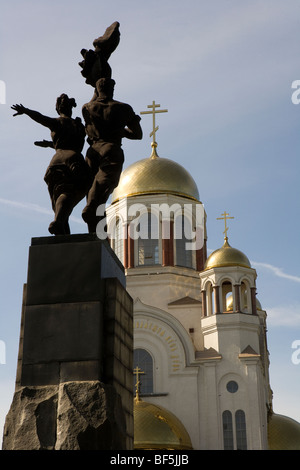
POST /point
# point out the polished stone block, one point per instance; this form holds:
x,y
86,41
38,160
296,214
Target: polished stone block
x,y
70,269
73,298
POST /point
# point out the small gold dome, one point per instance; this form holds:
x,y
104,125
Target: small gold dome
x,y
157,428
229,303
283,433
227,256
155,175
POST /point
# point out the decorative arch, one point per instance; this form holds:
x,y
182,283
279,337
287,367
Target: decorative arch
x,y
164,326
227,291
245,296
209,299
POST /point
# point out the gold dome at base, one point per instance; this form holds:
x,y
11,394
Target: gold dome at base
x,y
155,175
227,256
157,428
283,433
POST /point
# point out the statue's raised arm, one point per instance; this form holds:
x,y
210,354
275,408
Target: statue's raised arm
x,y
35,115
95,62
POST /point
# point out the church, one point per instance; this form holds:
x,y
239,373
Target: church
x,y
201,362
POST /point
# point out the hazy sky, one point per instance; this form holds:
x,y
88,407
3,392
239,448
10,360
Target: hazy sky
x,y
224,70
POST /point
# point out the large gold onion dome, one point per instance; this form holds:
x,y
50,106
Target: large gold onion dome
x,y
283,433
157,428
227,256
155,175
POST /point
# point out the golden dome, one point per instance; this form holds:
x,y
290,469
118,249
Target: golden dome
x,y
227,256
283,433
155,175
157,428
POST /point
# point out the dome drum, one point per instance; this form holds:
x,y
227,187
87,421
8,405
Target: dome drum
x,y
228,276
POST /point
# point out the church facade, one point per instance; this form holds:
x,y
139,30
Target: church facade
x,y
200,349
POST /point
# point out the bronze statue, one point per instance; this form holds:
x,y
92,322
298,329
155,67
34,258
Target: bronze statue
x,y
67,176
106,122
95,64
70,177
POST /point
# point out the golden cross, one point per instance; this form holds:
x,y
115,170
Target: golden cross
x,y
137,371
153,112
225,218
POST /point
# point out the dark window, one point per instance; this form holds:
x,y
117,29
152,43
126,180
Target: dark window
x,y
232,386
240,426
227,430
183,235
148,248
143,360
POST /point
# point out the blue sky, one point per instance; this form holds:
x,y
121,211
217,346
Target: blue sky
x,y
224,70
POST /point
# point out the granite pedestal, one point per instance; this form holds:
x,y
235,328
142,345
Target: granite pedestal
x,y
76,335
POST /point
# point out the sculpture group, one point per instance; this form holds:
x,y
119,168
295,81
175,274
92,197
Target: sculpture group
x,y
70,176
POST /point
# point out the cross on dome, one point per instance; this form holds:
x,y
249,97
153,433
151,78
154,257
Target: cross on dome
x,y
155,128
225,218
137,371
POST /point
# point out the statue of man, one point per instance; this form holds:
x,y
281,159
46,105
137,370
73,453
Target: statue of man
x,y
68,176
107,122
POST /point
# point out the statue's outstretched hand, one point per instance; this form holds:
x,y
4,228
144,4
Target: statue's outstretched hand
x,y
44,143
19,108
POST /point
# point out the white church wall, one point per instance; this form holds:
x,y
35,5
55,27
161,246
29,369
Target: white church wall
x,y
175,379
235,329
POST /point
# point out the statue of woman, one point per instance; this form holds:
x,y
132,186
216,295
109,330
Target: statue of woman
x,y
68,175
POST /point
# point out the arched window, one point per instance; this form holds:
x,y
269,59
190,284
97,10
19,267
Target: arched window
x,y
183,236
227,294
234,438
143,360
210,301
227,430
245,298
118,240
148,240
240,427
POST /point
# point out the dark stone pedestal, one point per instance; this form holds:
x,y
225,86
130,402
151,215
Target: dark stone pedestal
x,y
76,334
